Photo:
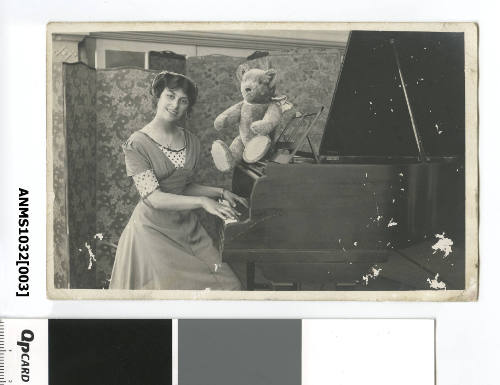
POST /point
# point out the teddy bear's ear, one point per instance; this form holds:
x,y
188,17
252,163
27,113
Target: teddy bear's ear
x,y
271,75
240,71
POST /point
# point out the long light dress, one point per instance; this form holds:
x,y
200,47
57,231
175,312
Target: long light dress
x,y
166,249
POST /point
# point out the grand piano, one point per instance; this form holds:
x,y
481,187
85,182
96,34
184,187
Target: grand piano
x,y
388,176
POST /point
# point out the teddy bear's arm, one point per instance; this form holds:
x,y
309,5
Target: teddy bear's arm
x,y
269,122
229,117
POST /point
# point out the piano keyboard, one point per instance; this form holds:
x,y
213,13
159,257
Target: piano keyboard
x,y
227,220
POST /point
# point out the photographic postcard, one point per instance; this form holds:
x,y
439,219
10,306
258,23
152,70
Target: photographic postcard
x,y
267,161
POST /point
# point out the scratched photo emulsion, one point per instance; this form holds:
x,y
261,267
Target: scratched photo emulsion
x,y
274,161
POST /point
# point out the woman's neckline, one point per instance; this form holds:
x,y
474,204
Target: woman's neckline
x,y
167,147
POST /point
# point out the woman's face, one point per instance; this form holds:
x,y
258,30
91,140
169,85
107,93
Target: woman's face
x,y
172,104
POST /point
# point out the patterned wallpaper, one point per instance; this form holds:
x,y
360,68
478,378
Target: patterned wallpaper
x,y
80,116
63,51
219,89
122,105
307,77
61,265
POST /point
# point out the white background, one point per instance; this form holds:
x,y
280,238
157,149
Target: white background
x,y
468,340
361,351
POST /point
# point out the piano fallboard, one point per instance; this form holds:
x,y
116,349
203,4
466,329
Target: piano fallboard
x,y
343,206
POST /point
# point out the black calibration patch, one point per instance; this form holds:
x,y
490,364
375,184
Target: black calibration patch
x,y
85,351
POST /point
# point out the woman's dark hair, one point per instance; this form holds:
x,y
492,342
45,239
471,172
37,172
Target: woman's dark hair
x,y
174,81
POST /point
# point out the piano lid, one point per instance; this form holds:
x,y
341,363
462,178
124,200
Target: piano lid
x,y
369,114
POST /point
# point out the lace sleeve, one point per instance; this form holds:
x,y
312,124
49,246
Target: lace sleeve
x,y
145,182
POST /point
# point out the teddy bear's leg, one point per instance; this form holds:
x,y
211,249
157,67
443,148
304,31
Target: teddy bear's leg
x,y
222,156
237,148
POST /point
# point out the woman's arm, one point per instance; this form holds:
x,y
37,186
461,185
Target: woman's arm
x,y
166,201
196,190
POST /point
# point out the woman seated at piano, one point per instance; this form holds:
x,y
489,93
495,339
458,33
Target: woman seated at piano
x,y
164,246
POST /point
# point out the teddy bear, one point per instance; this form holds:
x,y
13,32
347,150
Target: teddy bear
x,y
257,115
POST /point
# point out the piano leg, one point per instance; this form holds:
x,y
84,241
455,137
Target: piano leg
x,y
251,285
250,276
